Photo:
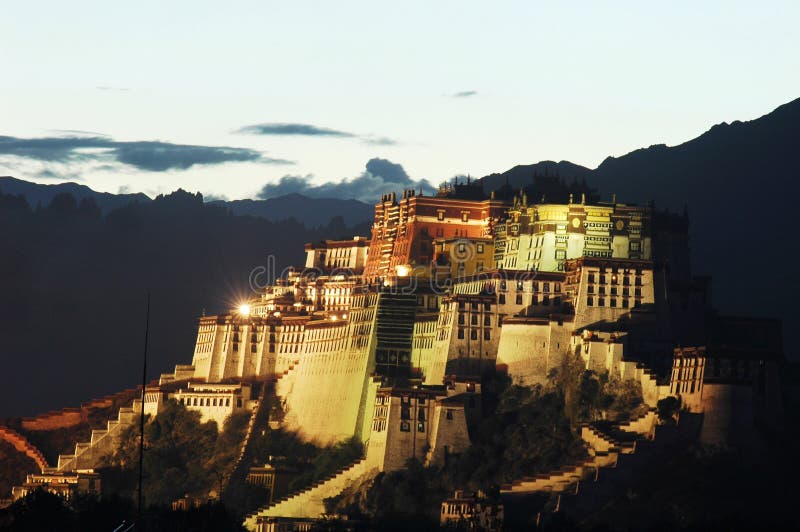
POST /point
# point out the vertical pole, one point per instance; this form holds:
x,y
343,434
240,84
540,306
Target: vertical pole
x,y
141,414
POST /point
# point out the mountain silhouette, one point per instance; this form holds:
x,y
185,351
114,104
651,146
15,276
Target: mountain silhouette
x,y
312,212
39,194
739,183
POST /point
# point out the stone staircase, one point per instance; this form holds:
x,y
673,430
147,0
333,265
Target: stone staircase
x,y
88,455
605,444
309,503
21,444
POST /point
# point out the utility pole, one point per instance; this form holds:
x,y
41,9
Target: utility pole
x,y
141,416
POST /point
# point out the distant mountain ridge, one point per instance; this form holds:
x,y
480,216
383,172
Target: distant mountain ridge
x,y
36,193
312,212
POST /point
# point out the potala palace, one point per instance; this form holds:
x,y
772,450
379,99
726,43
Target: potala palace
x,y
386,338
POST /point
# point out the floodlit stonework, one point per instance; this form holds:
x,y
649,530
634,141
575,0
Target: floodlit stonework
x,y
386,339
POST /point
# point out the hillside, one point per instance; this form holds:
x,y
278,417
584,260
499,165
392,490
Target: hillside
x,y
313,212
73,284
40,194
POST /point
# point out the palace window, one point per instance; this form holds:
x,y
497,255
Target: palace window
x,y
461,318
501,299
601,302
480,248
440,215
546,288
405,426
420,427
519,299
486,334
449,415
613,301
473,334
461,333
405,413
591,277
487,320
474,319
624,303
474,305
465,217
487,306
589,301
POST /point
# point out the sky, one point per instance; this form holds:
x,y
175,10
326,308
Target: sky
x,y
249,99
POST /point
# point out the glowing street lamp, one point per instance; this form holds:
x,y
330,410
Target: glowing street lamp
x,y
403,270
244,309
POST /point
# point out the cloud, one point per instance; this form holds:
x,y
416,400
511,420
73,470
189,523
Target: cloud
x,y
464,94
284,129
378,141
153,156
107,88
380,176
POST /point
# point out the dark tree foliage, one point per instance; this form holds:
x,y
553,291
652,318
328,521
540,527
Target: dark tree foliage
x,y
182,456
525,430
43,511
312,462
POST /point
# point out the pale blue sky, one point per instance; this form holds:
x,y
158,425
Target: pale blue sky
x,y
577,81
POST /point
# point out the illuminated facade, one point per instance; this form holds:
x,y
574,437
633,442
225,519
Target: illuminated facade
x,y
543,237
403,232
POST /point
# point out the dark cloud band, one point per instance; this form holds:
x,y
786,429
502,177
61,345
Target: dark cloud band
x,y
153,156
287,129
307,130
